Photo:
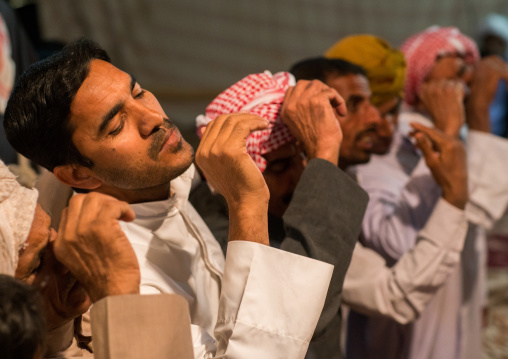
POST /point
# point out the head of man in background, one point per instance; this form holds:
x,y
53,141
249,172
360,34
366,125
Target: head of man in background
x,y
386,71
359,126
276,151
94,127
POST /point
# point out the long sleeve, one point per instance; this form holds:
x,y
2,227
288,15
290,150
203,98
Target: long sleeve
x,y
141,326
401,292
270,302
397,208
323,222
488,178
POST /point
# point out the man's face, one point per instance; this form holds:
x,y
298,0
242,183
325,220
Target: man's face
x,y
451,68
359,126
283,170
389,112
125,132
64,298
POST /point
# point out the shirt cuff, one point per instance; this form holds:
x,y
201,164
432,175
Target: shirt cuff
x,y
274,296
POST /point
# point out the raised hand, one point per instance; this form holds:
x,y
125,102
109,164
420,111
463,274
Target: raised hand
x,y
444,102
446,158
487,74
93,247
223,158
311,111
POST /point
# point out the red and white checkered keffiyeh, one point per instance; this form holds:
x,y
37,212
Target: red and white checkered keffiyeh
x,y
421,51
257,94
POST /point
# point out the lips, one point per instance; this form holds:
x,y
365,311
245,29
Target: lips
x,y
366,140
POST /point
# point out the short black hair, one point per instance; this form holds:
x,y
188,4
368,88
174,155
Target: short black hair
x,y
36,119
22,325
320,68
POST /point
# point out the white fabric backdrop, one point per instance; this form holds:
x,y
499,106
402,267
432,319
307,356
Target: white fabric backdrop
x,y
188,51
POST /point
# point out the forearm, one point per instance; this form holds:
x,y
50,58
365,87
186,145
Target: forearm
x,y
258,316
323,222
488,179
248,221
398,207
402,292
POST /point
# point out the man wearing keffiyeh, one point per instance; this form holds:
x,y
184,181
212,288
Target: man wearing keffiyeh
x,y
298,156
303,198
447,85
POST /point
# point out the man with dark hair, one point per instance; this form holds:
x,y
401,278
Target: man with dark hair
x,y
298,155
447,85
363,118
22,326
51,83
111,136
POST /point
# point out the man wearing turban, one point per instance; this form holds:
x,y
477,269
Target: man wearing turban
x,y
446,84
310,194
386,72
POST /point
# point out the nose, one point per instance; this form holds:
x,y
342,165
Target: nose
x,y
467,76
148,120
373,117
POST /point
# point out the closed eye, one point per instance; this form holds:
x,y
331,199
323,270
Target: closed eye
x,y
117,130
140,94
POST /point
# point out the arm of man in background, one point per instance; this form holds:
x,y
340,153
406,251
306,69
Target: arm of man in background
x,y
92,246
402,190
257,318
402,291
486,152
324,217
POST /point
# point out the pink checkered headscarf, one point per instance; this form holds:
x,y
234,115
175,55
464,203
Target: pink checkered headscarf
x,y
421,51
257,94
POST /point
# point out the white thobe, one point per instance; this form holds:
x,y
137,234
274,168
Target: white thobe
x,y
402,292
263,302
402,196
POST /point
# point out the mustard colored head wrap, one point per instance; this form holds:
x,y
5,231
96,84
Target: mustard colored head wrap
x,y
385,67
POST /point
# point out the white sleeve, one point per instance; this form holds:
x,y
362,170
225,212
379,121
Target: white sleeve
x,y
488,178
270,302
401,292
397,210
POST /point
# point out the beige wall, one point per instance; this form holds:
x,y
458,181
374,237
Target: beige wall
x,y
188,51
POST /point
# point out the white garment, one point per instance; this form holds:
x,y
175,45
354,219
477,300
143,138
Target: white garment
x,y
270,300
402,196
402,292
17,208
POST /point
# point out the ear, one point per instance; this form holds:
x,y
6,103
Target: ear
x,y
76,176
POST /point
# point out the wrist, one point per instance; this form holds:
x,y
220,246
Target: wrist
x,y
478,116
121,286
456,199
248,221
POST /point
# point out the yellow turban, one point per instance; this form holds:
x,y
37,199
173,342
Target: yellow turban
x,y
385,67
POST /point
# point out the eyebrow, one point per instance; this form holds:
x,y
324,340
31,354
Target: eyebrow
x,y
106,119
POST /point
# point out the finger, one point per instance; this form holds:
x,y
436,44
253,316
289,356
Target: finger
x,y
434,134
336,101
73,212
63,221
117,210
243,128
424,143
209,136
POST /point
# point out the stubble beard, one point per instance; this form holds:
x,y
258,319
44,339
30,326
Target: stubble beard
x,y
140,177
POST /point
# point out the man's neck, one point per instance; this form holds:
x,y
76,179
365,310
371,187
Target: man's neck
x,y
132,196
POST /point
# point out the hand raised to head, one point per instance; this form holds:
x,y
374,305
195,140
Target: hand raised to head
x,y
487,74
93,247
446,158
311,111
223,158
444,101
